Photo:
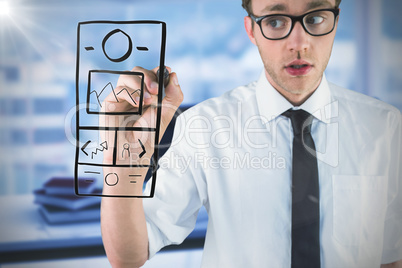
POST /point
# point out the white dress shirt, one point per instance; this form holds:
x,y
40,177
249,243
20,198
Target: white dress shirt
x,y
233,155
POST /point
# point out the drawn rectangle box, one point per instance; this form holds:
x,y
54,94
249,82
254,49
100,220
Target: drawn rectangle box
x,y
97,92
92,151
93,147
108,180
143,44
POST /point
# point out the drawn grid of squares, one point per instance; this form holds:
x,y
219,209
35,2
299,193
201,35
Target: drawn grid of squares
x,y
89,147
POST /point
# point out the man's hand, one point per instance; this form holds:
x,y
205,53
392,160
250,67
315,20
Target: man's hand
x,y
123,224
136,147
397,264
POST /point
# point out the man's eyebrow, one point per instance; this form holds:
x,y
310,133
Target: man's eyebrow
x,y
275,7
312,5
316,4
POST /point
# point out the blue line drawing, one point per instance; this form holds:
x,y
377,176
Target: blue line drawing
x,y
129,48
126,147
143,149
95,76
92,172
104,147
85,146
128,93
113,180
91,73
100,93
142,48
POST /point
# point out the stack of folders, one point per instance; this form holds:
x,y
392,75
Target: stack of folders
x,y
59,204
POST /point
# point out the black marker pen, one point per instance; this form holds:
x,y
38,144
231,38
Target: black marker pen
x,y
165,77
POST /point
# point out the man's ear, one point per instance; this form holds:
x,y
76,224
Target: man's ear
x,y
248,24
337,19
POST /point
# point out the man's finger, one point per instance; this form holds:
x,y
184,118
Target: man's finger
x,y
173,93
172,99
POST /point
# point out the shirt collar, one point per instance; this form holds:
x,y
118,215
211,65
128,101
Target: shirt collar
x,y
317,104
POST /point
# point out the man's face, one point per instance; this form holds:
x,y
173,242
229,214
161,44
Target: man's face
x,y
299,48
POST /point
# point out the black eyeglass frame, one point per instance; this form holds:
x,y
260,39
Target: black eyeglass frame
x,y
295,19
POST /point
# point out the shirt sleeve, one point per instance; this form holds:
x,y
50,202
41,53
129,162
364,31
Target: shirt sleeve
x,y
392,249
179,194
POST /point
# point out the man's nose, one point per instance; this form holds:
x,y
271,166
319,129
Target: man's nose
x,y
299,39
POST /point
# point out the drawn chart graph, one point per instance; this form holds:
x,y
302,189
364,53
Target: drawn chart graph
x,y
98,90
113,155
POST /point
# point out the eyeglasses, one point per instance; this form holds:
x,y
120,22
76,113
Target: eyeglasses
x,y
279,26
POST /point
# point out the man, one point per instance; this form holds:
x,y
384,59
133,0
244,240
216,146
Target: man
x,y
250,165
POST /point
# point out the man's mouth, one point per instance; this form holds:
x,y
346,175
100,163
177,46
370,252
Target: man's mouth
x,y
298,68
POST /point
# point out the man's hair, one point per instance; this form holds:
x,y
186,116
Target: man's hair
x,y
246,4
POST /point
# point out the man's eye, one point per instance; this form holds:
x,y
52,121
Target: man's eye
x,y
314,20
275,23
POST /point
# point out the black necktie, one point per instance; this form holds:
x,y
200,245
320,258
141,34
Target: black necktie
x,y
305,193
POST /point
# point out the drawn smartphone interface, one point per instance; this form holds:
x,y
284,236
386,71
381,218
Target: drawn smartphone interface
x,y
111,142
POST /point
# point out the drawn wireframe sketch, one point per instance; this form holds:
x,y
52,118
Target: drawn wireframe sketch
x,y
126,150
97,92
106,50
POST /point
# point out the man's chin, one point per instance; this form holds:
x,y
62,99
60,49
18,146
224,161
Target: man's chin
x,y
301,85
297,88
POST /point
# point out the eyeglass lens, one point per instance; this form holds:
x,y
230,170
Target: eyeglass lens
x,y
316,23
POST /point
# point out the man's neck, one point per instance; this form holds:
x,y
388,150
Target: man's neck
x,y
295,99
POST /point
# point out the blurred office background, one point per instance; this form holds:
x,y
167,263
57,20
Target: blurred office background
x,y
206,45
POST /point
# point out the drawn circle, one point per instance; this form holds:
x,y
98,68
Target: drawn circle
x,y
111,179
129,49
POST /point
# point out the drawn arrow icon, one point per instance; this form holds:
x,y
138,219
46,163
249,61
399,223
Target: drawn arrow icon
x,y
143,149
85,146
104,147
